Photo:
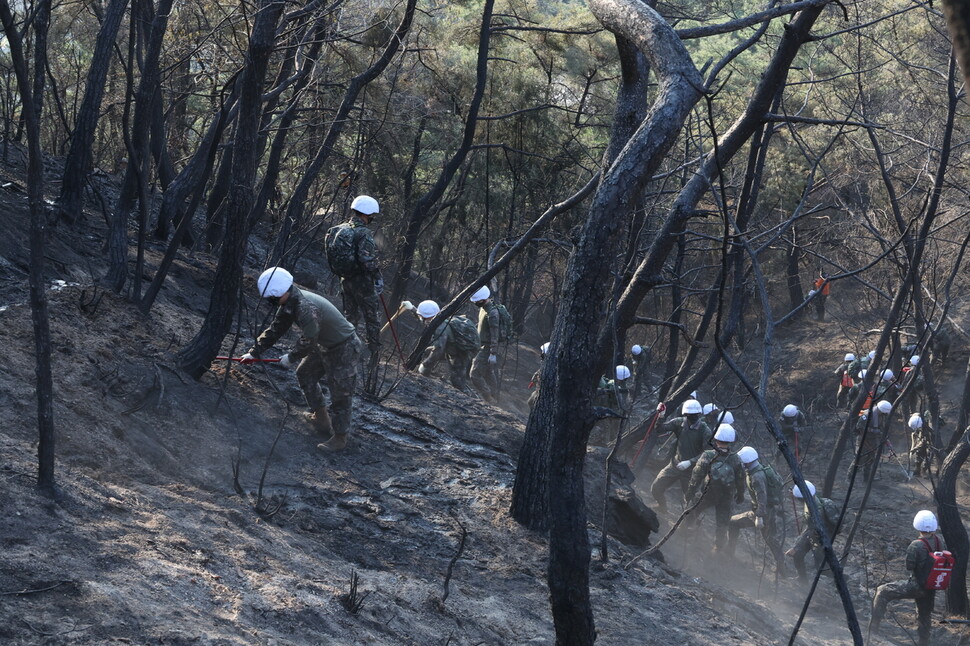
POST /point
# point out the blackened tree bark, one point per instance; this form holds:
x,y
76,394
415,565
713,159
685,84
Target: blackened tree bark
x,y
200,352
564,411
952,524
79,156
792,254
32,97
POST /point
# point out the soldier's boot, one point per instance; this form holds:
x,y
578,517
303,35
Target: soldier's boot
x,y
320,421
336,443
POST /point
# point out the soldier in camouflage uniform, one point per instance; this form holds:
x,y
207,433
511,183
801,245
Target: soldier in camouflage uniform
x,y
363,285
810,540
919,562
767,510
691,435
792,422
871,430
446,343
920,443
717,479
640,357
485,370
328,348
846,380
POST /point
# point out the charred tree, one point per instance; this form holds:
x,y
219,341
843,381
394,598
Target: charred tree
x,y
200,352
32,98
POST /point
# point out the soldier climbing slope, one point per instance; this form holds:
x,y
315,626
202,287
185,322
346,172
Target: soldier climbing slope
x,y
767,510
690,435
456,338
328,348
793,422
929,564
494,329
719,472
845,380
810,540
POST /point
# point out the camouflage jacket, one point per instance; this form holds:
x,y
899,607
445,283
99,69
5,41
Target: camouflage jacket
x,y
691,440
488,326
321,324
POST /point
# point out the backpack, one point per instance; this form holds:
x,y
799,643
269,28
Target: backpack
x,y
465,334
341,246
940,571
722,473
773,484
505,332
847,380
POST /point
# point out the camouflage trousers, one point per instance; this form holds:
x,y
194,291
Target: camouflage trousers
x,y
721,502
338,366
669,476
459,364
802,547
908,589
485,375
771,532
361,300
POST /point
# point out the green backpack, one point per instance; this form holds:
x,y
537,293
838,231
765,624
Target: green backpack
x,y
340,245
773,484
465,333
505,331
722,473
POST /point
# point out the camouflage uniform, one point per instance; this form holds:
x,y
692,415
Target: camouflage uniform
x,y
725,475
640,369
328,348
921,446
791,428
444,345
810,540
919,563
765,495
615,395
360,289
689,442
485,375
870,439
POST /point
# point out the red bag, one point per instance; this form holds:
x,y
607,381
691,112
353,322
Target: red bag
x,y
847,380
939,577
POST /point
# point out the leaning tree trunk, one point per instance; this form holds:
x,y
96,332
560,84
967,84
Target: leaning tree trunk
x,y
197,356
952,524
79,156
32,96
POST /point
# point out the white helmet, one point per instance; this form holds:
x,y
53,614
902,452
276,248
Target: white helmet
x,y
872,354
915,421
636,350
925,521
726,418
725,433
790,410
365,204
887,375
481,294
622,372
795,491
691,407
274,282
428,309
747,455
863,373
914,360
544,348
884,407
710,408
849,357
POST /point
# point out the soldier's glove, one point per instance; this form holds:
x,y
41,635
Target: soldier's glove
x,y
247,358
285,361
492,359
661,407
683,465
423,370
759,522
379,286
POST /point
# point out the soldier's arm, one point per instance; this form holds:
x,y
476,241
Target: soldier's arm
x,y
282,321
493,327
701,467
759,495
